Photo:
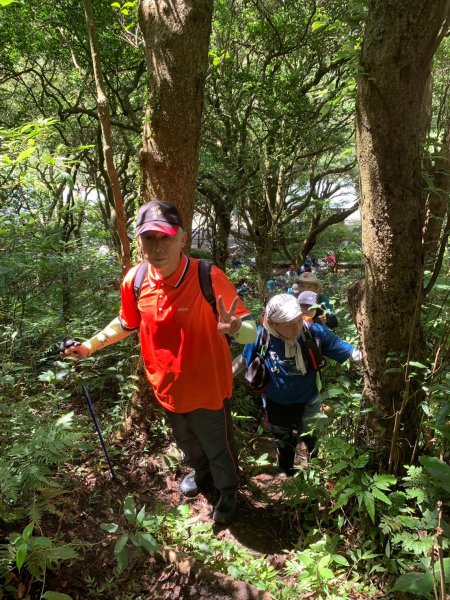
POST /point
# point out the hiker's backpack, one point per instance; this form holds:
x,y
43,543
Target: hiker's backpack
x,y
204,277
257,374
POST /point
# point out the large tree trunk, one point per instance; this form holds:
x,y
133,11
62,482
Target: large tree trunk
x,y
176,35
400,40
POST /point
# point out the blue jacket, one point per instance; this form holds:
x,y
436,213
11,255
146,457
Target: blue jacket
x,y
287,385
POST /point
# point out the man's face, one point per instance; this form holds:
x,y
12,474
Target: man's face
x,y
306,286
290,330
162,251
307,311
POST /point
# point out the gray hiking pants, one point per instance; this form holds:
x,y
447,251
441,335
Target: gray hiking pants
x,y
207,441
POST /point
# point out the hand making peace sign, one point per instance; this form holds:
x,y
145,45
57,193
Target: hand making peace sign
x,y
228,323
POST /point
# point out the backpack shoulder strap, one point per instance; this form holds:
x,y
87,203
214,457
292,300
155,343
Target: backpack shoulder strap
x,y
204,276
264,341
262,344
139,279
309,339
205,280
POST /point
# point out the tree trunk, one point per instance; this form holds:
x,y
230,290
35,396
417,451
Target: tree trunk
x,y
437,203
223,228
400,40
176,35
105,122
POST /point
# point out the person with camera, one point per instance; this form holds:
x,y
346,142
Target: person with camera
x,y
293,358
186,354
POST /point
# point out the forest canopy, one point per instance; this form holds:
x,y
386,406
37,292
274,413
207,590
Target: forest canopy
x,y
284,132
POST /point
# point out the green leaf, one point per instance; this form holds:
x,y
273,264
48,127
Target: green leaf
x,y
20,555
444,430
6,2
339,560
115,5
369,503
361,461
438,470
67,178
184,510
122,561
147,541
379,494
140,517
120,544
341,501
26,534
413,363
26,153
109,527
318,25
56,596
394,370
414,583
325,573
437,569
333,392
384,481
129,509
325,561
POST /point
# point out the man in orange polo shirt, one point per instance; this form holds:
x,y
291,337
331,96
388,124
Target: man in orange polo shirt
x,y
186,355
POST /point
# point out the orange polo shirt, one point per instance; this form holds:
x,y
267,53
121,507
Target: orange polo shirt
x,y
187,361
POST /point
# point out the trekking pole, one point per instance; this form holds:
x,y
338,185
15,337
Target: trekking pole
x,y
99,431
67,343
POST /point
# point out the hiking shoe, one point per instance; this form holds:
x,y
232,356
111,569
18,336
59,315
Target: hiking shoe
x,y
225,508
190,487
303,456
284,467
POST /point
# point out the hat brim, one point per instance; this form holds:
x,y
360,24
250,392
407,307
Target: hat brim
x,y
157,227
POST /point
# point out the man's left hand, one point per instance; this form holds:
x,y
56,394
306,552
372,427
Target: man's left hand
x,y
229,323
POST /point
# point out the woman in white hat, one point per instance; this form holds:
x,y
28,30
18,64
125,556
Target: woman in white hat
x,y
293,362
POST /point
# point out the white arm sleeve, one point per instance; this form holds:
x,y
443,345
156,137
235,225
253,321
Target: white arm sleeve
x,y
112,333
238,365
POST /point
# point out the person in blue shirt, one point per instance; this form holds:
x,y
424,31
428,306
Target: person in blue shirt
x,y
291,398
294,290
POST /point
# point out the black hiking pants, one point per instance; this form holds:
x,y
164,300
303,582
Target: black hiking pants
x,y
285,422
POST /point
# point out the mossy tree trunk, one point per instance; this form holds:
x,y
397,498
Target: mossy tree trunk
x,y
400,40
176,35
